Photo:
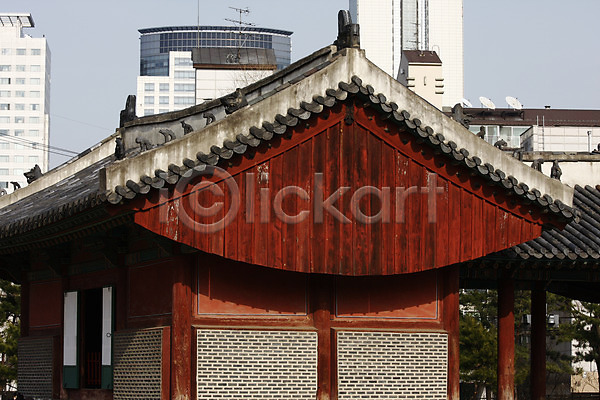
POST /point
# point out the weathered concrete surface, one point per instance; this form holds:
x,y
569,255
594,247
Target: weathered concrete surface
x,y
346,64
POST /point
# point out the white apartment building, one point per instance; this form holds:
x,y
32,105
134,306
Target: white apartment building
x,y
387,27
176,91
24,100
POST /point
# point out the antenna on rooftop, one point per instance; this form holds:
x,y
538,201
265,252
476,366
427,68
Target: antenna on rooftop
x,y
514,103
487,103
241,24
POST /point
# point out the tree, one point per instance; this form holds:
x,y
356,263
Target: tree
x,y
478,339
10,307
584,329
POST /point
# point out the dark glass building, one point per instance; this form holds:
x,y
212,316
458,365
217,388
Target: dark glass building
x,y
156,43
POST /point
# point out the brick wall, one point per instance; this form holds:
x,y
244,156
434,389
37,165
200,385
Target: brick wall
x,y
252,364
392,365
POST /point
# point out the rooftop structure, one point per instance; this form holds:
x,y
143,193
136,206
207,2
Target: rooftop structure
x,y
168,80
16,19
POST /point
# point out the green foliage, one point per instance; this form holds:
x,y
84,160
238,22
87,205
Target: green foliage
x,y
10,305
479,346
584,329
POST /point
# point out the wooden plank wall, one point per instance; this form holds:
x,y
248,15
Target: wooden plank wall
x,y
467,220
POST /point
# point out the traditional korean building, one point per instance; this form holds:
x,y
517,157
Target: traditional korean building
x,y
300,238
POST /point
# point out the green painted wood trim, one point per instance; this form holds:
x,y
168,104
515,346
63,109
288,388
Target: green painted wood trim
x,y
71,377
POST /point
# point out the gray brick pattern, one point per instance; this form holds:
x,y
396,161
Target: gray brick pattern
x,y
392,365
137,364
252,364
34,376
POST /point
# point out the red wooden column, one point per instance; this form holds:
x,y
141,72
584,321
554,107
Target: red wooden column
x,y
181,329
451,286
506,339
538,341
321,309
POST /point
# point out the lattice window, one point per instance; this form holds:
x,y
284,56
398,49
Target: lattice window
x,y
34,376
392,365
248,364
137,364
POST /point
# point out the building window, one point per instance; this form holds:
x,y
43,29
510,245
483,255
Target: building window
x,y
19,81
180,62
4,93
4,81
19,132
18,171
4,132
185,100
33,159
3,158
5,120
19,146
185,74
163,100
21,52
148,111
34,120
149,87
19,106
19,159
34,132
162,110
19,120
164,87
34,107
35,68
19,93
20,68
4,68
34,81
4,145
5,52
4,106
36,52
185,87
148,99
34,93
3,171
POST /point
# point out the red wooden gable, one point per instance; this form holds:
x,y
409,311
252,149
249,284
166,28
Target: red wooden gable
x,y
345,193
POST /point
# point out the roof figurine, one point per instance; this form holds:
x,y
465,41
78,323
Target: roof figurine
x,y
348,33
555,172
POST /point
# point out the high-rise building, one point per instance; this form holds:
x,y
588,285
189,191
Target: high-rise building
x,y
167,80
24,100
389,27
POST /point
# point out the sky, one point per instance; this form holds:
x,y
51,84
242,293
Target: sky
x,y
543,52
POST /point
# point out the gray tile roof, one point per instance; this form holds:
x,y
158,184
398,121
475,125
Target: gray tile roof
x,y
76,193
345,90
580,240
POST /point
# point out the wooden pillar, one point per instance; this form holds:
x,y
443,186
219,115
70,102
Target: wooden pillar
x,y
506,339
538,341
321,309
451,313
181,330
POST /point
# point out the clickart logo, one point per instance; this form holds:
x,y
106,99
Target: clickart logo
x,y
215,200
